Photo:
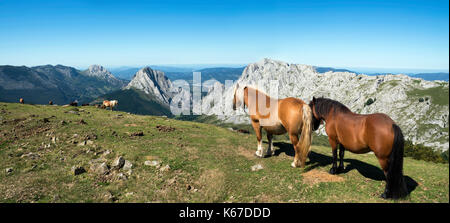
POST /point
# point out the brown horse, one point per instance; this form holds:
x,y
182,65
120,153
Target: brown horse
x,y
21,101
360,134
110,104
277,117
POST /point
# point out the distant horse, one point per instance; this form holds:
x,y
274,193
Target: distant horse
x,y
74,103
50,102
289,115
361,134
110,104
21,101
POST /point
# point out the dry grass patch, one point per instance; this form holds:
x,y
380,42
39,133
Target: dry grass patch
x,y
212,184
246,153
317,176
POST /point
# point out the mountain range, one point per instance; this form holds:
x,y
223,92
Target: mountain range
x,y
60,84
420,107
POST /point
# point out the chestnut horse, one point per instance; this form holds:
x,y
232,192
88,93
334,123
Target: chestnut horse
x,y
110,104
360,134
289,115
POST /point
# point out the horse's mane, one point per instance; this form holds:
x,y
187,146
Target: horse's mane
x,y
324,105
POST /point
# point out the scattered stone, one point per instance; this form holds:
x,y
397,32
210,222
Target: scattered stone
x,y
75,136
101,169
45,120
73,112
140,133
164,168
31,155
89,142
77,170
129,194
91,136
151,163
82,122
188,187
82,143
118,163
171,181
114,133
54,139
231,129
257,167
9,170
163,128
108,196
121,176
127,165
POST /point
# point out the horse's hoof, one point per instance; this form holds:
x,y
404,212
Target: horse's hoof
x,y
340,169
257,155
332,170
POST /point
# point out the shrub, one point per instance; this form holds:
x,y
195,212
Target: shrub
x,y
421,152
369,102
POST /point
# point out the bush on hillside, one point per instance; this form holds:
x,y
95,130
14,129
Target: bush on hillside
x,y
421,152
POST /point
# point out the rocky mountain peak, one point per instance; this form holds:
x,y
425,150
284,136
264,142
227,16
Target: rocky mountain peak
x,y
97,69
101,72
152,82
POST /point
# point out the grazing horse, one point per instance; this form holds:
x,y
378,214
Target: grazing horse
x,y
50,102
360,134
21,101
289,115
74,103
110,104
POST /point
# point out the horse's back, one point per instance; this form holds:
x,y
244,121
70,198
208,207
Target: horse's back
x,y
290,113
379,133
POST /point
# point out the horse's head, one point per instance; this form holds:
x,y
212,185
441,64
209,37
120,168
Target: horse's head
x,y
315,118
238,93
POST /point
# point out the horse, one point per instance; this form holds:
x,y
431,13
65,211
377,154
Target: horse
x,y
110,104
361,134
74,103
50,102
288,115
21,101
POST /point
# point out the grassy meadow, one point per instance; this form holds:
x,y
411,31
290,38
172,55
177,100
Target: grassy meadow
x,y
186,162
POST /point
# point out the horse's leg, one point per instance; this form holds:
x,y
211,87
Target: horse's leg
x,y
384,166
294,141
341,167
257,128
333,145
270,148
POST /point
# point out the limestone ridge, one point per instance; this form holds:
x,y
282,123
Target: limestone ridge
x,y
102,73
153,82
410,102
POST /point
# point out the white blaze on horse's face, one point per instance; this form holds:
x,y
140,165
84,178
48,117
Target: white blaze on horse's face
x,y
238,96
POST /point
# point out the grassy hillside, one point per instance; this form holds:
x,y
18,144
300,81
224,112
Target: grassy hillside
x,y
39,145
136,102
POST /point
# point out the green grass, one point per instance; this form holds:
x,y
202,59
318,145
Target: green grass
x,y
439,95
214,161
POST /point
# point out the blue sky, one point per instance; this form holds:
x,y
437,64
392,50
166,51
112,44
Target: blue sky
x,y
354,34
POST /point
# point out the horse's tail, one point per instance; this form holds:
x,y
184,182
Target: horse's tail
x,y
395,181
306,135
